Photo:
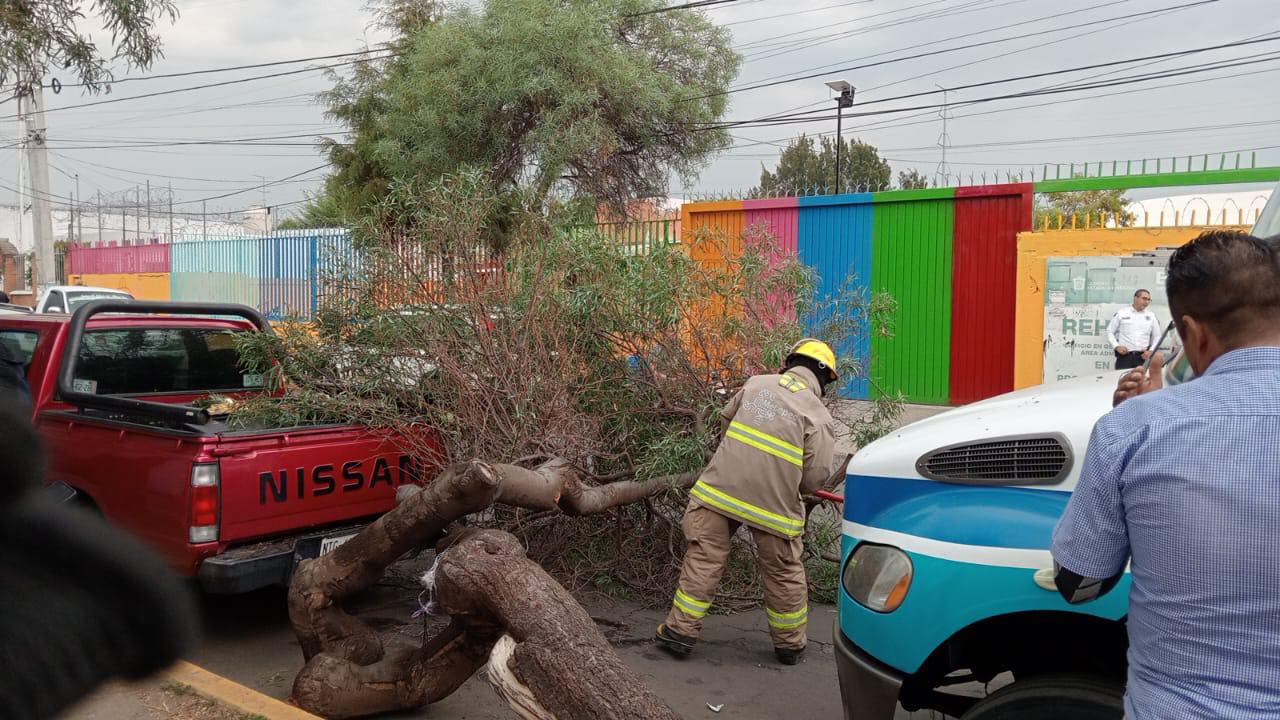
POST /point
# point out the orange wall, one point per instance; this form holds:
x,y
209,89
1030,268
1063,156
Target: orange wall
x,y
143,286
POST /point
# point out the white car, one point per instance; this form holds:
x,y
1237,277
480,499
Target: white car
x,y
66,298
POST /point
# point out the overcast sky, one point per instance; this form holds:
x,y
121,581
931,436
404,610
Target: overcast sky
x,y
779,39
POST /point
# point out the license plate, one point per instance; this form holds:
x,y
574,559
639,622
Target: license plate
x,y
328,544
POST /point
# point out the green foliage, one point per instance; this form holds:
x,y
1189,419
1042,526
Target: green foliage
x,y
565,344
43,35
319,211
805,165
546,99
1058,208
912,180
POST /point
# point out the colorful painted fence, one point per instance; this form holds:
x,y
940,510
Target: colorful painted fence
x,y
118,260
947,259
143,286
280,274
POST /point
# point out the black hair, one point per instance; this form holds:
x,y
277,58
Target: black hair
x,y
1229,280
1139,291
804,361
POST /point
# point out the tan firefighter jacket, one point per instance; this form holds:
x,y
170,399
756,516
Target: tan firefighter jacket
x,y
778,443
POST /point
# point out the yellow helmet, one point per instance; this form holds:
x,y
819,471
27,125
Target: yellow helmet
x,y
817,350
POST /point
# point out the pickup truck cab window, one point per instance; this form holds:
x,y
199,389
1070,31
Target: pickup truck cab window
x,y
135,361
20,343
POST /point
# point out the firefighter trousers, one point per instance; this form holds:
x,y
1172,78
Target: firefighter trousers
x,y
786,591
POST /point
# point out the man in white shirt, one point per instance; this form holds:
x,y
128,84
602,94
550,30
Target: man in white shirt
x,y
1133,332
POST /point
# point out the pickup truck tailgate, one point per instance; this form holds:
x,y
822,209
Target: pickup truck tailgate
x,y
285,480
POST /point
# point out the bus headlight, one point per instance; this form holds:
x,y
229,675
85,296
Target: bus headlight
x,y
877,576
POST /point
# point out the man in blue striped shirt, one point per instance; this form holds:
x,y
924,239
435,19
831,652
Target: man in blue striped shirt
x,y
1183,485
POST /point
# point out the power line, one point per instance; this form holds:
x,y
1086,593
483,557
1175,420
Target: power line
x,y
796,12
231,68
850,68
687,6
200,87
805,43
255,187
776,38
799,118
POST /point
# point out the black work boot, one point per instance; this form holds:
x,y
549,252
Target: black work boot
x,y
788,656
673,642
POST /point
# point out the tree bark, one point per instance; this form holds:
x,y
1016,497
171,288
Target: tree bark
x,y
486,583
561,656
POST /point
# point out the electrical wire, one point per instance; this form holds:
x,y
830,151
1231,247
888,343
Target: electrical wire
x,y
795,12
686,6
849,68
1029,76
206,86
230,68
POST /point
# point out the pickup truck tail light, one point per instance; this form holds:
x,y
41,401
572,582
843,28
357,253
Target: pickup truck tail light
x,y
205,478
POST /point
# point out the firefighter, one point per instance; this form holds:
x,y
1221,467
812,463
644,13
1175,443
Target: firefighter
x,y
778,445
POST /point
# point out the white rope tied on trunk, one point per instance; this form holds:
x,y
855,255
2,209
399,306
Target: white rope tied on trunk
x,y
516,693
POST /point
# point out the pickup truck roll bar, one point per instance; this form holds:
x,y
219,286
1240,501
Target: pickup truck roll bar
x,y
75,334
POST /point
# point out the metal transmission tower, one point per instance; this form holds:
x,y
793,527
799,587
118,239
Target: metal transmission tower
x,y
943,174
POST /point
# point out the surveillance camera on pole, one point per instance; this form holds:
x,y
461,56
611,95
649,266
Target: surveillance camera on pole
x,y
844,98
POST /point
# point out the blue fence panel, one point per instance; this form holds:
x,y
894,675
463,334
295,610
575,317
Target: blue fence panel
x,y
835,240
216,271
279,274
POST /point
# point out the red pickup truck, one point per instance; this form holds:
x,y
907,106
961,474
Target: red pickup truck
x,y
112,387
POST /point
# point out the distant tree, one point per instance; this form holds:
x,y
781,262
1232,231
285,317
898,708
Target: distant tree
x,y
912,180
805,165
39,35
1108,204
319,211
549,99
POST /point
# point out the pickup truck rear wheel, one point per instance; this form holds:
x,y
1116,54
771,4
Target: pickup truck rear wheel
x,y
1053,697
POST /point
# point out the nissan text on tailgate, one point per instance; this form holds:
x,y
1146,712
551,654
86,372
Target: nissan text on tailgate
x,y
112,388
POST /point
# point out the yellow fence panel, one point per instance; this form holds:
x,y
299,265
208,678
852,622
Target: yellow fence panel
x,y
143,286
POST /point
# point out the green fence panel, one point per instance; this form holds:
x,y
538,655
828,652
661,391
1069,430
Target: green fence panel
x,y
911,260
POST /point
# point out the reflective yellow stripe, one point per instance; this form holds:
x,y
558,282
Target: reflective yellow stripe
x,y
789,527
792,383
786,621
765,448
796,449
696,608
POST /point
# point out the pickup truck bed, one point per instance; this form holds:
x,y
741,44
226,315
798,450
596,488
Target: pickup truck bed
x,y
230,507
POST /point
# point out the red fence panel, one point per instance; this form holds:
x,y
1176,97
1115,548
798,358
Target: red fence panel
x,y
984,268
121,259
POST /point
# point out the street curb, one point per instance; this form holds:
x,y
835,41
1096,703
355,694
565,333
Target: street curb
x,y
228,692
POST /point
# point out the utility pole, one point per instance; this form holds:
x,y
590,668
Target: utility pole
x,y
34,134
843,100
98,195
148,206
204,220
137,213
170,211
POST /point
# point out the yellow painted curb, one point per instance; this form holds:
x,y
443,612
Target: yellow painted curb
x,y
227,692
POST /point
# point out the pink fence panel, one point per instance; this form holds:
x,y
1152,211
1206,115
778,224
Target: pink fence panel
x,y
122,259
781,217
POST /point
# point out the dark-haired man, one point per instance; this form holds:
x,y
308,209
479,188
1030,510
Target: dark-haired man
x,y
1183,486
1133,331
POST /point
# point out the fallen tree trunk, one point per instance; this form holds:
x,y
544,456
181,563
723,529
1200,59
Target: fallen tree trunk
x,y
485,582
